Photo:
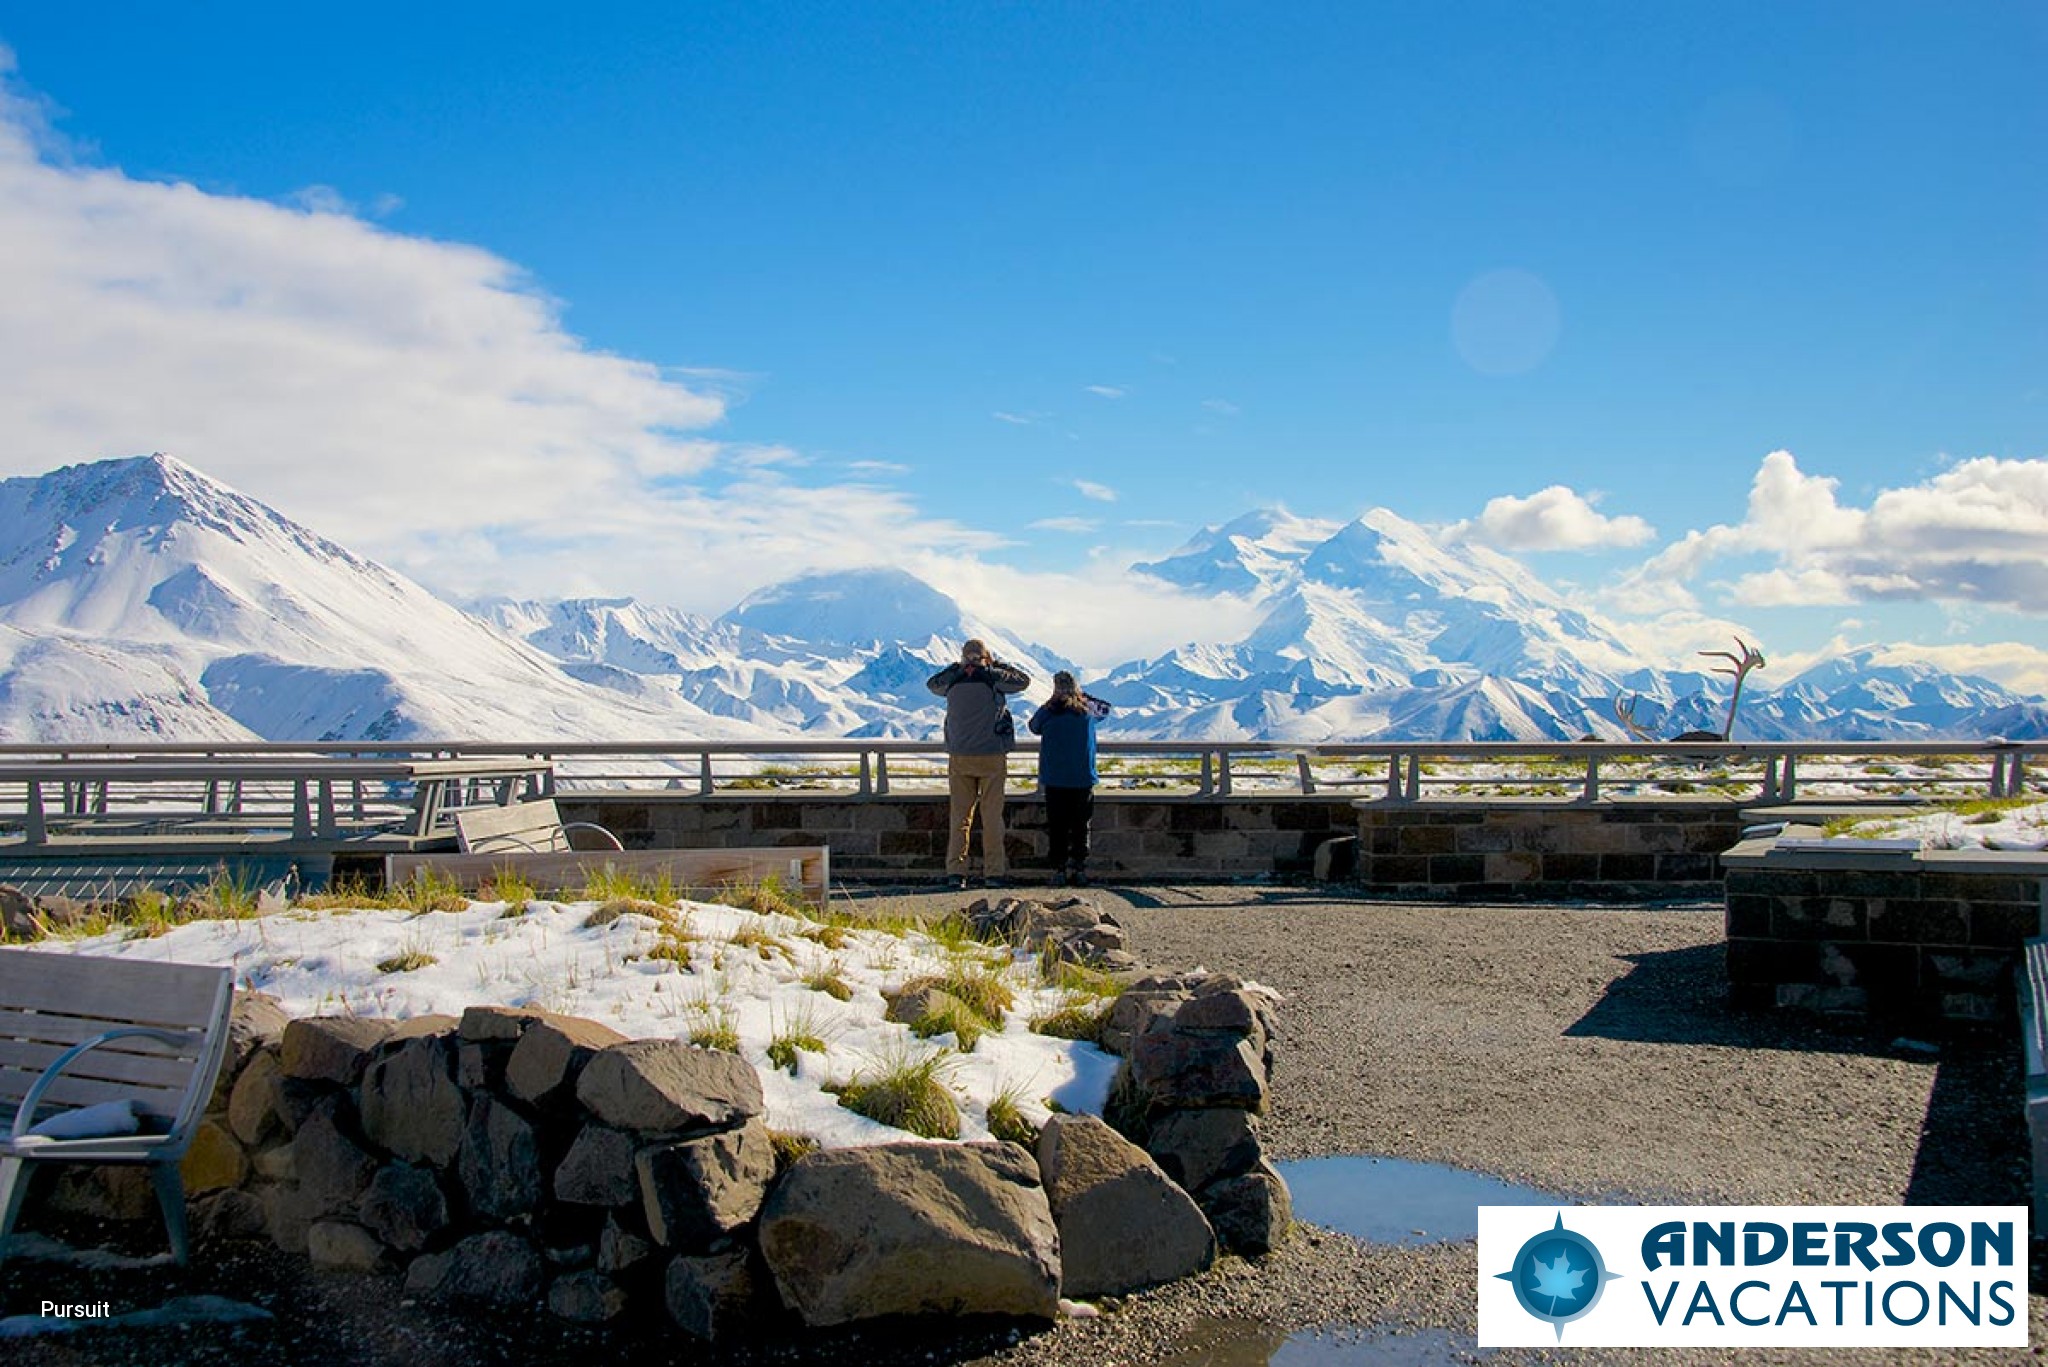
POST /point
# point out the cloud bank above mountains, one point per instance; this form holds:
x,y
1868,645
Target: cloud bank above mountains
x,y
424,401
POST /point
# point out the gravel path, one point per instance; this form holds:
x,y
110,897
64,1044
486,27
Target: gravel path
x,y
1585,1050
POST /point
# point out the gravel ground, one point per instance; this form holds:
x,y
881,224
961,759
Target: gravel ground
x,y
1585,1050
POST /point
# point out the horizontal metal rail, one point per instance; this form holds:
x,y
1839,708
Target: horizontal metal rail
x,y
1393,772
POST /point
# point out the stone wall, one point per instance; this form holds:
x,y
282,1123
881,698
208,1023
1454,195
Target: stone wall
x,y
1623,850
1500,849
1922,937
905,836
514,1159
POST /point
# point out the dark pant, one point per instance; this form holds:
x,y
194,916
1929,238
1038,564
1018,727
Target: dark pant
x,y
1067,811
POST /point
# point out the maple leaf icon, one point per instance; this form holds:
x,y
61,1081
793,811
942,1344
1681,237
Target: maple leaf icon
x,y
1556,1279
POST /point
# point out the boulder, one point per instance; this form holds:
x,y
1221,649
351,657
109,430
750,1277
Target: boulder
x,y
664,1086
1134,1012
227,1215
619,1247
716,1295
598,1169
411,1107
586,1297
911,1006
485,1024
499,1161
1175,1069
18,915
256,1022
332,1048
497,1269
339,1245
551,1052
404,1207
910,1228
287,1215
1251,1212
252,1103
1123,1223
332,1169
1197,1147
215,1162
700,1190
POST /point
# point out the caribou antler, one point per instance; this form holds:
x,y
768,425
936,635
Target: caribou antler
x,y
1625,713
1739,667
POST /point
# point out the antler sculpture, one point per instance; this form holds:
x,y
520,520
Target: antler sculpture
x,y
1738,666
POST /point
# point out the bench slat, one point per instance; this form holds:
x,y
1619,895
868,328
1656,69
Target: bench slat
x,y
22,1060
125,992
47,1027
533,827
68,1092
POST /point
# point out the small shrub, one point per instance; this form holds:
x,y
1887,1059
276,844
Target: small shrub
x,y
951,1017
789,1147
509,886
717,1031
430,891
979,990
1006,1118
223,898
1076,1018
905,1093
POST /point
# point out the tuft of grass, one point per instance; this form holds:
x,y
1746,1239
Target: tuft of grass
x,y
1006,1118
430,891
222,899
789,1147
798,1033
1079,1017
905,1093
827,934
770,897
346,894
758,939
1076,979
410,957
951,1017
830,981
506,884
608,912
717,1031
981,991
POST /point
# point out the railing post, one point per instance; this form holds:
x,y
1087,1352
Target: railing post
x,y
1788,782
1223,773
34,829
1770,792
1394,778
704,773
1308,778
1415,778
881,773
302,811
1592,789
1208,774
866,787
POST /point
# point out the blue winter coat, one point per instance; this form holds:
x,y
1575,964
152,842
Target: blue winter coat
x,y
1066,750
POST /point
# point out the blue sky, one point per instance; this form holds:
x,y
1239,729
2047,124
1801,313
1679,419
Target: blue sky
x,y
1015,294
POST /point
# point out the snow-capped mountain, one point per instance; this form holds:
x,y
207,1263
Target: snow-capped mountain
x,y
141,597
138,598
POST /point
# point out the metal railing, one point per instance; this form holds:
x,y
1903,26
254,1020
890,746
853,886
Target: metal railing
x,y
1393,772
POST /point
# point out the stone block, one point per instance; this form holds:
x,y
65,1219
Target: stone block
x,y
404,1207
1917,921
333,1049
411,1105
551,1052
1123,1223
215,1161
656,1086
696,1192
499,1160
598,1169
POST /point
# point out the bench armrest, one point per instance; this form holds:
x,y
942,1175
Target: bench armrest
x,y
568,826
25,1117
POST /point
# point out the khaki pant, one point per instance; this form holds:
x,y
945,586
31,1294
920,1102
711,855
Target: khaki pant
x,y
975,783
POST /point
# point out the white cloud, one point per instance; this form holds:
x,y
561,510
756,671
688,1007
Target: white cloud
x,y
1223,407
1065,524
1104,391
1975,533
878,467
419,401
1552,519
1101,493
1017,419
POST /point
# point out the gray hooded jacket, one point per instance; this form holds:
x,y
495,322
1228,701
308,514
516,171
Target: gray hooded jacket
x,y
973,698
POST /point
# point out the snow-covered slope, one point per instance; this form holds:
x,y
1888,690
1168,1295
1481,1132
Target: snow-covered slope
x,y
140,590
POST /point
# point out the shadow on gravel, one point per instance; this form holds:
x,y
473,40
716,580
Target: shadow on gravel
x,y
1973,1138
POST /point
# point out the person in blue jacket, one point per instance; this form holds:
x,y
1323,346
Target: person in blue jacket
x,y
1065,725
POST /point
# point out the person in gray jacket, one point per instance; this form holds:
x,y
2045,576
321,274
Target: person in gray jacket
x,y
980,733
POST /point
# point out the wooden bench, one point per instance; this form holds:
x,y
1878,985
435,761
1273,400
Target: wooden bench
x,y
522,827
79,1031
2033,993
805,870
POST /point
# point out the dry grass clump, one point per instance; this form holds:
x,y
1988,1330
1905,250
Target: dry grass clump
x,y
830,981
976,987
608,912
949,1015
1006,1118
1077,1017
789,1146
905,1093
716,1030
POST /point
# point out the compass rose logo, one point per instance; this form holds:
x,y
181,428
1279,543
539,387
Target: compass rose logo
x,y
1558,1276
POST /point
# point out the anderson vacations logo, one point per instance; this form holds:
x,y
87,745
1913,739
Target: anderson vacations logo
x,y
1753,1276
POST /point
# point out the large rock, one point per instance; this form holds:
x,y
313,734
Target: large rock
x,y
1123,1223
227,1215
404,1207
332,1048
551,1052
1251,1212
215,1162
1197,1147
908,1228
496,1024
1176,1069
700,1190
716,1295
620,1247
598,1169
586,1297
411,1107
252,1104
339,1245
911,1006
499,1162
662,1086
332,1168
256,1021
496,1269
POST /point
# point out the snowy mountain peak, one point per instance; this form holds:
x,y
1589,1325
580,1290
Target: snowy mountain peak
x,y
852,607
1247,555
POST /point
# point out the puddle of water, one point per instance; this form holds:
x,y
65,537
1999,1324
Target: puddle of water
x,y
1395,1201
1246,1343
